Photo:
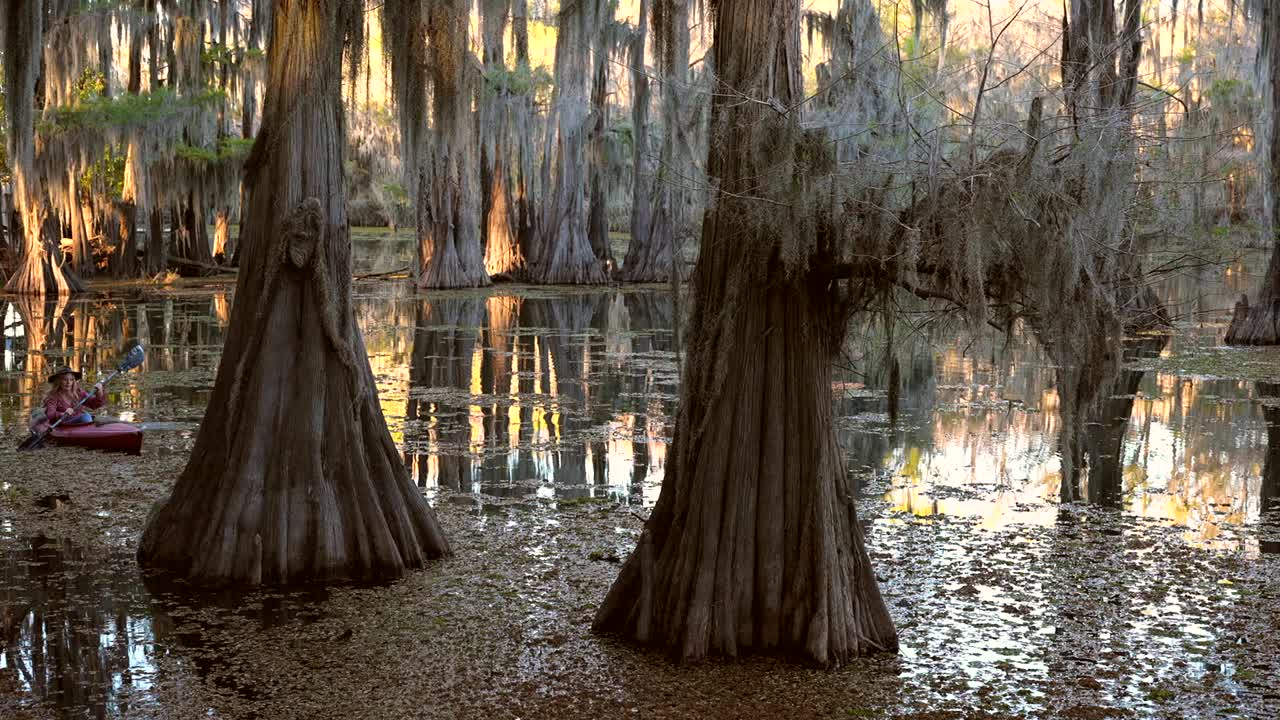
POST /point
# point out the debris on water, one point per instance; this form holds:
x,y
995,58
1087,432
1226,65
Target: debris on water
x,y
53,502
542,445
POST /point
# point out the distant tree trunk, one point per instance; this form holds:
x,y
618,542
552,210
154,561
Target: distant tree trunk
x,y
407,54
641,170
258,21
449,254
754,544
522,124
78,218
502,253
135,195
191,236
1099,77
157,255
294,476
124,264
651,255
564,253
40,270
221,234
1259,324
598,215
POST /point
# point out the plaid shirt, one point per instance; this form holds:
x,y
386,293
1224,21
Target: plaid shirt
x,y
55,405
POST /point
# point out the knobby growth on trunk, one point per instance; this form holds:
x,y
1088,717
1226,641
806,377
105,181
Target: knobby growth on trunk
x,y
754,544
1259,323
294,475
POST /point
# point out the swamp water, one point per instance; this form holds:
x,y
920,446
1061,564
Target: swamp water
x,y
537,422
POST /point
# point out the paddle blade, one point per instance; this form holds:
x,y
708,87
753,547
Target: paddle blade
x,y
133,359
32,442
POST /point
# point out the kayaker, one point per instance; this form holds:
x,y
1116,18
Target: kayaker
x,y
65,393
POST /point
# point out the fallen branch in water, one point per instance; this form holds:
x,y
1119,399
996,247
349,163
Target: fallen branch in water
x,y
388,273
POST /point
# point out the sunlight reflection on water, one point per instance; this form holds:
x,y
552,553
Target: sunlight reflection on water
x,y
568,397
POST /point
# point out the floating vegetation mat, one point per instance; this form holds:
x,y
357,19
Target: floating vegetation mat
x,y
537,422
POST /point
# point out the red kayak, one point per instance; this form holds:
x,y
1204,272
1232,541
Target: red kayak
x,y
113,436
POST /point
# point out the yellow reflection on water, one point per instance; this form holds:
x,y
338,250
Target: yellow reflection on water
x,y
1182,461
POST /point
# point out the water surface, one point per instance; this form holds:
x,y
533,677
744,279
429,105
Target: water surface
x,y
538,422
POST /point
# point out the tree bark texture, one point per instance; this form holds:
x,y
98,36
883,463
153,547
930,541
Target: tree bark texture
x,y
502,253
222,249
156,257
1259,324
754,544
448,211
190,236
564,255
651,254
294,476
641,170
40,269
598,215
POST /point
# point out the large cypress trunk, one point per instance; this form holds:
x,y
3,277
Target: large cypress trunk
x,y
754,544
651,254
448,212
294,476
564,253
1259,324
40,270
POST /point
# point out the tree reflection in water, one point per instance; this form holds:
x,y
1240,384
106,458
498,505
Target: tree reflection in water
x,y
70,625
564,397
1107,426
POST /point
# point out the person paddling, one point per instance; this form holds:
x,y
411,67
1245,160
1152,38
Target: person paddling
x,y
65,393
